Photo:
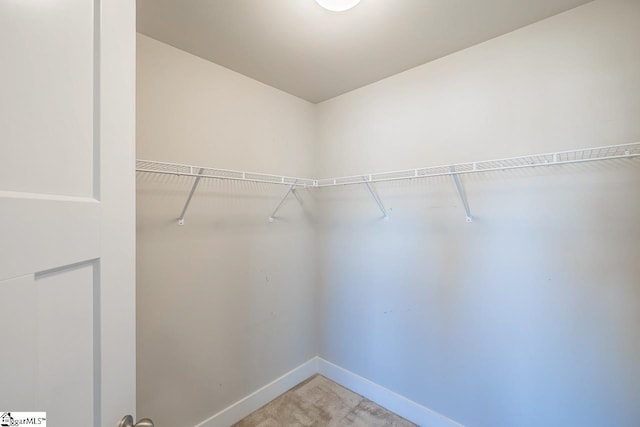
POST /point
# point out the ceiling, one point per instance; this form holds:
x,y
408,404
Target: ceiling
x,y
307,51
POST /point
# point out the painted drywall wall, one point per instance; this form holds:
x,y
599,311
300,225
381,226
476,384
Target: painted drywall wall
x,y
528,316
226,303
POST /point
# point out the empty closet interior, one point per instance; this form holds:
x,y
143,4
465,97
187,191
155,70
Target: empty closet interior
x,y
457,242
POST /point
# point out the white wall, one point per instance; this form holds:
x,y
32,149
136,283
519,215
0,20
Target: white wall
x,y
226,302
528,316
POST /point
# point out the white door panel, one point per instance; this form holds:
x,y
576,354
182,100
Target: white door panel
x,y
47,97
67,209
50,364
18,329
68,366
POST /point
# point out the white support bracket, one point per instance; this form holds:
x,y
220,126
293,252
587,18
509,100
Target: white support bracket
x,y
193,190
289,191
456,180
376,198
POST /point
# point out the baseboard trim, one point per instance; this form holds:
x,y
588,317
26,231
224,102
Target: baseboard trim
x,y
261,397
386,398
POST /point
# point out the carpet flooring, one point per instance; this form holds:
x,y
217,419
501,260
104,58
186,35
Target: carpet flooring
x,y
319,402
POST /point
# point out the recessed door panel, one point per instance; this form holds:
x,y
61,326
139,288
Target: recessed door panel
x,y
47,96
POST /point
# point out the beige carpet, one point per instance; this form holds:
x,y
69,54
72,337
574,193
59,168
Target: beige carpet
x,y
319,402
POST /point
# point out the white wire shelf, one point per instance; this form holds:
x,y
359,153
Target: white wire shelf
x,y
610,152
559,158
150,166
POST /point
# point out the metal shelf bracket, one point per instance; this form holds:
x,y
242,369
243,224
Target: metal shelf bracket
x,y
193,190
375,196
289,191
456,180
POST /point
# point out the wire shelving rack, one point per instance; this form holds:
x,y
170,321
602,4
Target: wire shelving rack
x,y
610,152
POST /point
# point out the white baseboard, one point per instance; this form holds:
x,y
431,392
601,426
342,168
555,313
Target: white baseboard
x,y
261,397
394,402
386,398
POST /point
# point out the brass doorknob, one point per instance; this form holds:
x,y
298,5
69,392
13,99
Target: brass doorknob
x,y
127,421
